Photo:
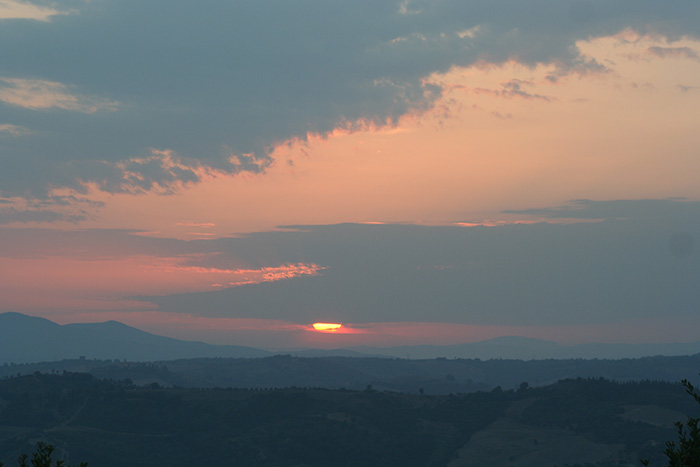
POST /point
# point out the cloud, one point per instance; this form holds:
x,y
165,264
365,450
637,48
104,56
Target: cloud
x,y
683,88
218,84
640,263
673,52
52,209
664,53
513,89
642,209
523,274
12,215
13,130
43,95
241,277
12,9
161,170
158,171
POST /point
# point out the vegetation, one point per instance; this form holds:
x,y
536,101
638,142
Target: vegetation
x,y
150,425
686,452
435,376
42,458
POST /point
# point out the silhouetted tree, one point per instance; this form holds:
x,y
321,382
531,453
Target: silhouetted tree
x,y
42,458
685,452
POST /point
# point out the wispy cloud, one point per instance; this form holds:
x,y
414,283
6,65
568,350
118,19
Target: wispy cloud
x,y
50,210
513,89
657,51
43,95
12,9
237,277
162,171
13,130
683,88
673,52
646,209
12,215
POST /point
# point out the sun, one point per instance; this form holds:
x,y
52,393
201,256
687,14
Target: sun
x,y
327,327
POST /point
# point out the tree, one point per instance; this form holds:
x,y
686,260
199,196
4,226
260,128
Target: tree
x,y
42,458
686,452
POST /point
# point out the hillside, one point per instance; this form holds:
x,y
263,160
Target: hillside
x,y
110,424
434,376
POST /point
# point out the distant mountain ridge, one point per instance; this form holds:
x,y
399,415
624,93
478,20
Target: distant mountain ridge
x,y
29,339
525,348
26,339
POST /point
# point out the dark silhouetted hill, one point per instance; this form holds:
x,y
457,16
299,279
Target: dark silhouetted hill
x,y
430,376
575,422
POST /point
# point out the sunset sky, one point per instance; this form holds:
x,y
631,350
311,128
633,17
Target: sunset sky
x,y
423,172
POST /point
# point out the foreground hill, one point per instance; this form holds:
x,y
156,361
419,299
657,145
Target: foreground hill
x,y
109,424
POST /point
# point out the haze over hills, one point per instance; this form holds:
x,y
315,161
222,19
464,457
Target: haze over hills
x,y
29,344
526,348
27,339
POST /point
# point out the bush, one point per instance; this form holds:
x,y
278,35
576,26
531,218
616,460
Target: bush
x,y
42,458
686,452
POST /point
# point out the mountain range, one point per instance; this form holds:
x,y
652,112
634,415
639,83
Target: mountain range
x,y
28,339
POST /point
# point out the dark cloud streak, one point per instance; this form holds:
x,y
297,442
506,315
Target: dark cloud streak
x,y
639,262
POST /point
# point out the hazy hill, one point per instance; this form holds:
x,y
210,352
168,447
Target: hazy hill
x,y
25,339
433,376
524,348
31,339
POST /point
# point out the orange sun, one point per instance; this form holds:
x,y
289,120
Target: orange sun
x,y
327,327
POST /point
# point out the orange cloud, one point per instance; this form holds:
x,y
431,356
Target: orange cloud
x,y
235,277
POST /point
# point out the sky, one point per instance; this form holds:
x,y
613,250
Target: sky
x,y
423,172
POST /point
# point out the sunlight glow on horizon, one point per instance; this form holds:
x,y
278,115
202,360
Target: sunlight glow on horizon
x,y
327,327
